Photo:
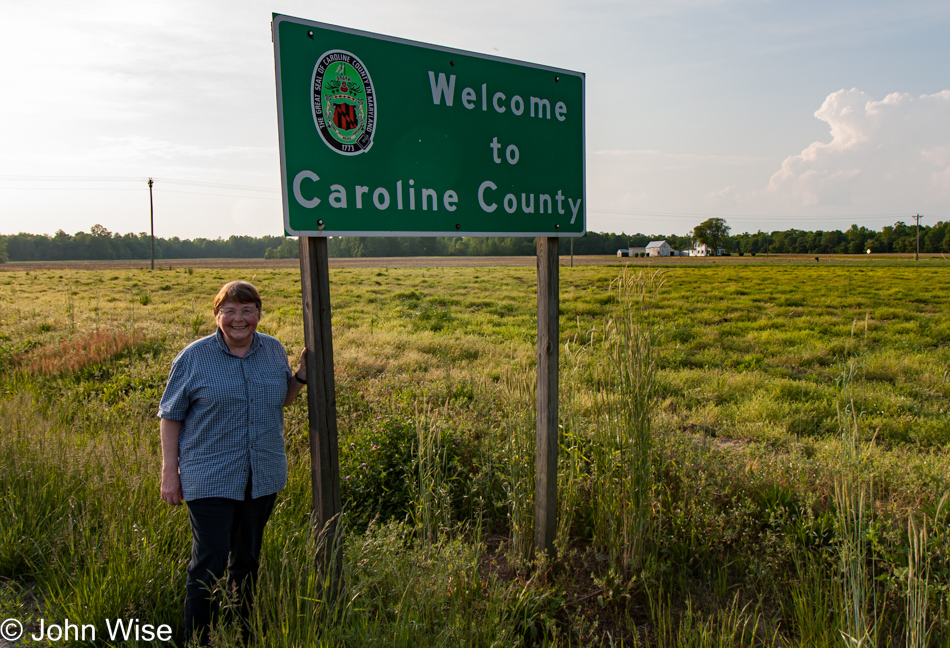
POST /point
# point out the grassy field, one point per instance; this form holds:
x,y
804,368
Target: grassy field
x,y
752,453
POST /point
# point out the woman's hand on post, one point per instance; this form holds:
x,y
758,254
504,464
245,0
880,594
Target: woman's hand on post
x,y
299,380
302,368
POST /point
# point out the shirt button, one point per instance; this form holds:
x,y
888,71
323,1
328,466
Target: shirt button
x,y
252,423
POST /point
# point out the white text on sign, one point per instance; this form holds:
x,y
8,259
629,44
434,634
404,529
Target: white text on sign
x,y
444,90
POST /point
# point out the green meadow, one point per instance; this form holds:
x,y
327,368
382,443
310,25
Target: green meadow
x,y
751,454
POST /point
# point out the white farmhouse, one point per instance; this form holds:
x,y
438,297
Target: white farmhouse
x,y
658,249
702,250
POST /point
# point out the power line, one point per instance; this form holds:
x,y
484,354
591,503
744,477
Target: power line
x,y
196,183
222,195
157,181
69,189
166,191
740,216
747,217
73,178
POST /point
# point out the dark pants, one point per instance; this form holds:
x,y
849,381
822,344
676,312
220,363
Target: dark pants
x,y
224,533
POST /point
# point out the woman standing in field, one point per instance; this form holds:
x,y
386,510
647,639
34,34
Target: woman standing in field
x,y
223,449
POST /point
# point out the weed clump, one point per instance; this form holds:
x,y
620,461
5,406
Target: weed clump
x,y
80,352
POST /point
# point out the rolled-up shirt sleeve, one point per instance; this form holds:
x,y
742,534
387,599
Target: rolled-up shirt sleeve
x,y
176,399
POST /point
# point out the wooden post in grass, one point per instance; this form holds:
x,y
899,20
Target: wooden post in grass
x,y
321,401
545,480
151,217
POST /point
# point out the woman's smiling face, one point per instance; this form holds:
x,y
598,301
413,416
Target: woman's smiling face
x,y
237,322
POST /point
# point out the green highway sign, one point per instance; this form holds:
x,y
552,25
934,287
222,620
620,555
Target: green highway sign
x,y
381,136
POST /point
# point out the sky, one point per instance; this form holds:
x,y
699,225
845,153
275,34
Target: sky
x,y
770,114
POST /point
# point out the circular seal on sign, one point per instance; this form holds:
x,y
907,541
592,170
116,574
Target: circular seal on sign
x,y
344,103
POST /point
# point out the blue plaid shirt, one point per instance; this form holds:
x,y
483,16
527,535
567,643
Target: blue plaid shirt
x,y
232,416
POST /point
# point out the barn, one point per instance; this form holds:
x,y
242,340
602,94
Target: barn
x,y
658,249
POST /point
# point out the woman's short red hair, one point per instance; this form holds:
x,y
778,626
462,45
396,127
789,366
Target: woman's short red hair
x,y
241,292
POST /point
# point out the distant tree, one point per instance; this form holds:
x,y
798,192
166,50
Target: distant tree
x,y
904,238
932,240
713,232
99,231
857,236
3,250
874,243
288,249
887,238
830,241
349,246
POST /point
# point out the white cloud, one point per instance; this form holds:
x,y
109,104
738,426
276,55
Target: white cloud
x,y
887,155
884,158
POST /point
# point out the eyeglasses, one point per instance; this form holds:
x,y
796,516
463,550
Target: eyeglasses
x,y
247,312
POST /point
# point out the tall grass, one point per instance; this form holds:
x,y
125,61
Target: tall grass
x,y
622,440
918,624
853,499
432,508
813,601
518,457
733,626
917,630
89,532
858,604
571,477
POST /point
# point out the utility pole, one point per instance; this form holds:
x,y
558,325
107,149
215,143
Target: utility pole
x,y
151,215
917,254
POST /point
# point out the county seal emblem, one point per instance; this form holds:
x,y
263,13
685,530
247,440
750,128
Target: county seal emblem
x,y
344,103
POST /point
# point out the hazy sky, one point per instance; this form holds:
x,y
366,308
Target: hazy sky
x,y
770,114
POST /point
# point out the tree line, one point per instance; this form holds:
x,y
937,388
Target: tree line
x,y
899,237
101,244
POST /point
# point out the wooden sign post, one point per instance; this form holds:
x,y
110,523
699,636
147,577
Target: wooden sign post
x,y
545,475
321,400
